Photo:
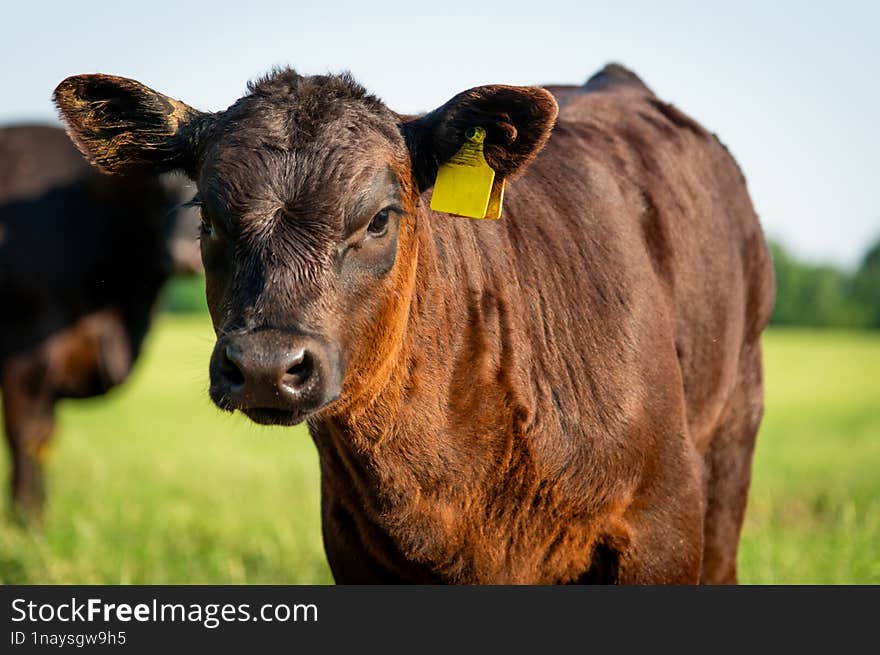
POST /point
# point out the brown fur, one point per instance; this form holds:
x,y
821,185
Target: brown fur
x,y
569,394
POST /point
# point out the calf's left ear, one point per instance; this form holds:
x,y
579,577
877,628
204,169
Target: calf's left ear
x,y
517,120
122,126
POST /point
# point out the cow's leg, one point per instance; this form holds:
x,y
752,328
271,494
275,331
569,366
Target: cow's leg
x,y
28,413
663,541
658,538
728,469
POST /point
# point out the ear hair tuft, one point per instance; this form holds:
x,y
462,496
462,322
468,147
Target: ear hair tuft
x,y
121,125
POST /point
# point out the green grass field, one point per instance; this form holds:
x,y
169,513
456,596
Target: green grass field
x,y
153,485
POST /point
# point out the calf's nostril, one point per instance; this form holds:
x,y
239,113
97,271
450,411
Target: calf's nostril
x,y
230,369
299,370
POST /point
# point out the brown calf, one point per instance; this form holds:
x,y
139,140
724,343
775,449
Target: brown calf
x,y
82,259
569,394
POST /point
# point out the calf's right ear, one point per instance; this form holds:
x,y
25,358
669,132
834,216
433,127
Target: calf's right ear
x,y
122,126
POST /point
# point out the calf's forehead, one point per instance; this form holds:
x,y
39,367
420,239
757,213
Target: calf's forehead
x,y
261,160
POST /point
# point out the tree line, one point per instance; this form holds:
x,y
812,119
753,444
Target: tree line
x,y
807,294
821,295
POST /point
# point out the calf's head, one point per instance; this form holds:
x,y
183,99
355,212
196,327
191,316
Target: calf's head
x,y
309,190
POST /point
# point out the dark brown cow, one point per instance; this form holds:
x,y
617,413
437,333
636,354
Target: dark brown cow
x,y
569,394
82,258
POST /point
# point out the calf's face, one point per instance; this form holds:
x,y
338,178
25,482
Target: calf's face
x,y
309,191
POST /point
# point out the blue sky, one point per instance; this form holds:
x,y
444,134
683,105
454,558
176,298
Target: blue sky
x,y
793,88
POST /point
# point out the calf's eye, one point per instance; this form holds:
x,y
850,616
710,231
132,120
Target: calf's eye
x,y
379,225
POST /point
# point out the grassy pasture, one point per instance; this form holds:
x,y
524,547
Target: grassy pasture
x,y
152,485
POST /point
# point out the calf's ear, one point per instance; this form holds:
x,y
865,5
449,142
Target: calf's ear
x,y
517,120
122,126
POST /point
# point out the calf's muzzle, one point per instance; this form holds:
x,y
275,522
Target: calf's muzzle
x,y
274,377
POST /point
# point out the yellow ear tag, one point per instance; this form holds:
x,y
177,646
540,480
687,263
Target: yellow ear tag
x,y
466,184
